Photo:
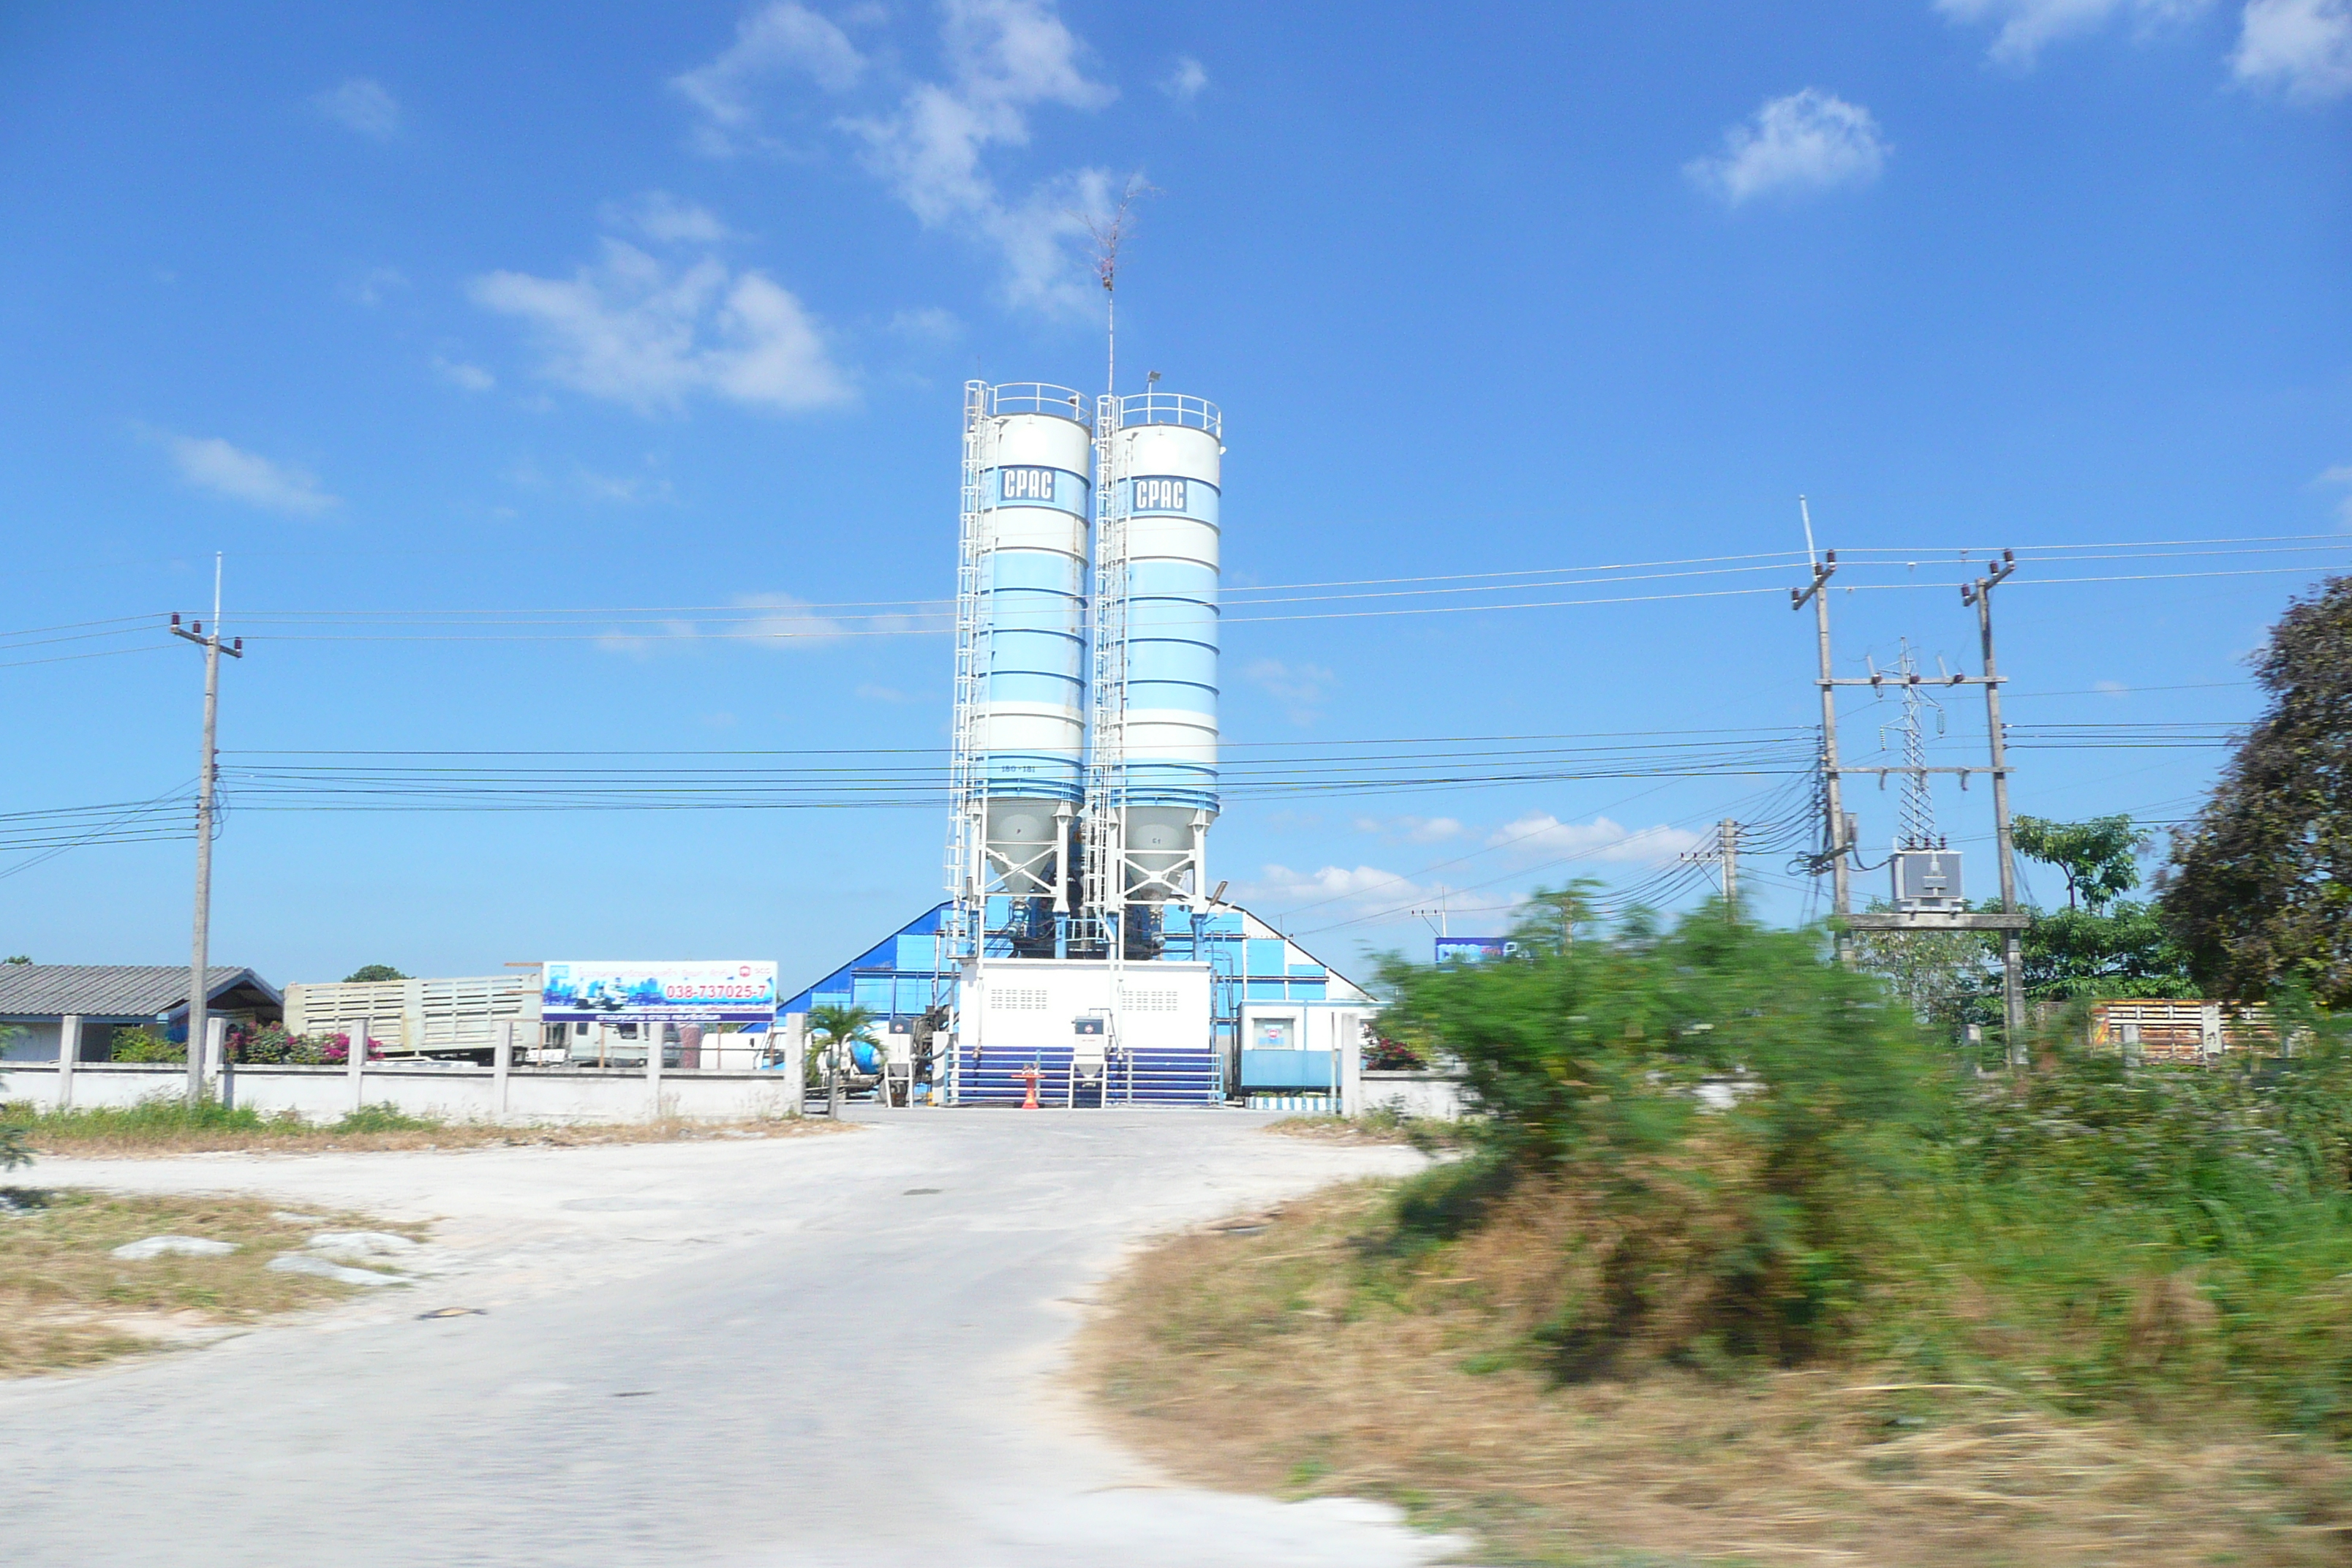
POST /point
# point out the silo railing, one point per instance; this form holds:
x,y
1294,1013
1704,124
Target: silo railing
x,y
1038,398
1172,408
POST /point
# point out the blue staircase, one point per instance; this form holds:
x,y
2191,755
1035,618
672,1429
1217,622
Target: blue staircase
x,y
1165,1076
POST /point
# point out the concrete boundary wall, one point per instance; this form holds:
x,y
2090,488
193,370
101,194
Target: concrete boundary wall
x,y
450,1091
1430,1096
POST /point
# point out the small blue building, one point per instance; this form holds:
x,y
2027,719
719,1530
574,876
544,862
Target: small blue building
x,y
1278,1018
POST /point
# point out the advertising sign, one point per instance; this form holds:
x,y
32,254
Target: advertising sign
x,y
582,992
1474,949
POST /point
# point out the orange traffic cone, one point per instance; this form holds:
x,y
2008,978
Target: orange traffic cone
x,y
1030,1072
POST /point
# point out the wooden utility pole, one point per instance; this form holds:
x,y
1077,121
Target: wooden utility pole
x,y
1724,858
2013,965
207,776
2011,920
1835,840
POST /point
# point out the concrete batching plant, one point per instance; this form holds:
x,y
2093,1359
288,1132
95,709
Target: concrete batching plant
x,y
1080,940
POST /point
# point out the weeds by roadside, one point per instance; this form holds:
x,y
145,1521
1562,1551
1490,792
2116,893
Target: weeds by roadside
x,y
1383,1124
66,1301
1310,1357
1869,1308
165,1126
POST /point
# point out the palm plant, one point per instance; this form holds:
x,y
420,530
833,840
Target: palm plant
x,y
834,1029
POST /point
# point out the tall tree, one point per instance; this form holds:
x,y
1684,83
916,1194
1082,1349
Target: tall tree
x,y
2260,890
2101,944
2099,858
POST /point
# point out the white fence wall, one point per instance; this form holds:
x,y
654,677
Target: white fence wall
x,y
450,1091
461,1013
1430,1096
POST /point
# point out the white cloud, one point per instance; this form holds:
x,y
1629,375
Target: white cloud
x,y
472,377
638,330
212,464
781,619
362,105
1003,59
1184,83
623,489
1300,688
1336,893
776,38
1539,835
2303,47
2027,26
930,324
370,287
1417,829
1338,884
667,220
1808,141
2340,476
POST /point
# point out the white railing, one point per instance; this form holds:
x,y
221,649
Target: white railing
x,y
1172,408
1032,398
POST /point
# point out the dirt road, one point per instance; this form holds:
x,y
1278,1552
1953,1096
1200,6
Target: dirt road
x,y
840,1350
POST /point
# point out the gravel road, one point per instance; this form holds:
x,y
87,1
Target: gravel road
x,y
830,1350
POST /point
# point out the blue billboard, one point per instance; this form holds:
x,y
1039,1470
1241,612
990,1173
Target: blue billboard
x,y
1475,949
712,991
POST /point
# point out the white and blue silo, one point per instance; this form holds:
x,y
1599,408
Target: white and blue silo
x,y
1022,656
1166,460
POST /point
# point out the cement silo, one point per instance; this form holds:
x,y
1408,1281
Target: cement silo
x,y
1021,669
1155,706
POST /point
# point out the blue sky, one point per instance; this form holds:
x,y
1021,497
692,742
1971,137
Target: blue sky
x,y
575,379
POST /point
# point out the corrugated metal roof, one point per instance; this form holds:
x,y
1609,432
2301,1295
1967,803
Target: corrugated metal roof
x,y
110,990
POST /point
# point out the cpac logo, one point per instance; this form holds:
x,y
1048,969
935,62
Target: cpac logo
x,y
1160,495
1029,484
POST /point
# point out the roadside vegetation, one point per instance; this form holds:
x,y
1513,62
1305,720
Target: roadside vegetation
x,y
169,1125
1383,1124
1853,1302
66,1301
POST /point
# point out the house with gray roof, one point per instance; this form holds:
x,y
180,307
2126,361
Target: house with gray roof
x,y
36,998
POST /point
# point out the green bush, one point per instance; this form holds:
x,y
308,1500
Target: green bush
x,y
145,1043
2095,1231
271,1045
382,1119
13,1149
1747,1227
160,1115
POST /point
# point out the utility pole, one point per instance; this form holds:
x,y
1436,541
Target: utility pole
x,y
1915,771
1724,858
1835,840
2013,965
207,774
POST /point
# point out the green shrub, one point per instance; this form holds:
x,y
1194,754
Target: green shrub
x,y
271,1045
382,1119
13,1149
145,1043
1588,1055
2097,1232
160,1115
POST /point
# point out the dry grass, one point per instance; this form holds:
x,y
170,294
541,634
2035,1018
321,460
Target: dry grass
x,y
59,1137
1374,1128
1290,1351
66,1302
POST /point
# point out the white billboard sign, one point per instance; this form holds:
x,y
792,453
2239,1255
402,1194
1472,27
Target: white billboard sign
x,y
732,991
